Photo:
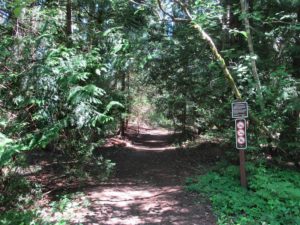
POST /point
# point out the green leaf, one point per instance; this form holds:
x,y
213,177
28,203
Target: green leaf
x,y
101,118
17,11
113,104
117,48
108,31
6,149
244,33
85,93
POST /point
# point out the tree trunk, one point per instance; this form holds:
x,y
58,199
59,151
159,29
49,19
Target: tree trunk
x,y
244,7
69,20
123,120
183,119
226,24
219,58
222,64
296,55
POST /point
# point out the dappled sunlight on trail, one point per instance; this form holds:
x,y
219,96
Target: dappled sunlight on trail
x,y
144,204
147,187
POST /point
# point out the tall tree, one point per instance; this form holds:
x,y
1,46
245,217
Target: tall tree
x,y
69,20
245,11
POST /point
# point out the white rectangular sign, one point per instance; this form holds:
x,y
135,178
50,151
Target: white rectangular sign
x,y
239,110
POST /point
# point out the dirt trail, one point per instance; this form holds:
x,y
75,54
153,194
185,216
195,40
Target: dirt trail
x,y
147,187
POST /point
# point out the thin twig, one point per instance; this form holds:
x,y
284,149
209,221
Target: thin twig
x,y
175,19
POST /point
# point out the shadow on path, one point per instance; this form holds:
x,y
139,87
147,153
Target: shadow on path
x,y
147,187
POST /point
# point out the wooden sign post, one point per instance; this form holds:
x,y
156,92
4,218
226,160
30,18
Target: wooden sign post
x,y
240,112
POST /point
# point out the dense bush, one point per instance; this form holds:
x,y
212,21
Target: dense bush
x,y
273,196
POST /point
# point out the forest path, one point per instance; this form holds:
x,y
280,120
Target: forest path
x,y
147,187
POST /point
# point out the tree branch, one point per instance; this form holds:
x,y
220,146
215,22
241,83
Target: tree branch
x,y
175,19
164,11
185,9
222,64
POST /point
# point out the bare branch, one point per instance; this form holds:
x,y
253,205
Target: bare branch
x,y
185,9
164,11
139,3
175,19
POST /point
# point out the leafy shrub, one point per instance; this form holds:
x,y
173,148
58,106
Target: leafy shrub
x,y
63,209
68,105
273,196
15,189
13,217
67,201
16,200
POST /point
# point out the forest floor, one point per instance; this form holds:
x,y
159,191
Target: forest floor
x,y
148,186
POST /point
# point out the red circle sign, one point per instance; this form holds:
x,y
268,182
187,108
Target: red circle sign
x,y
241,140
240,125
240,133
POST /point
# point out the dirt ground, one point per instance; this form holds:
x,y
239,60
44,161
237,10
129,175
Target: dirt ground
x,y
148,186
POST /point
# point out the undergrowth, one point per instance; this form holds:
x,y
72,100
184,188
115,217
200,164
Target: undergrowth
x,y
25,201
272,197
59,212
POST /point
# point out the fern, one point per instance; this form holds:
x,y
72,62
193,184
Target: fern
x,y
88,93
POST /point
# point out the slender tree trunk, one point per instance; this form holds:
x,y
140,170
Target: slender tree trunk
x,y
244,7
226,24
210,42
296,55
222,64
128,100
228,75
123,121
183,119
69,20
220,59
214,50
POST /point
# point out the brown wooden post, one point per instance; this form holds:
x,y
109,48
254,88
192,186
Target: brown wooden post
x,y
242,168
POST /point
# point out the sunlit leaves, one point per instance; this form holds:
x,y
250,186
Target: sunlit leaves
x,y
5,149
89,93
236,31
18,5
101,119
113,104
43,82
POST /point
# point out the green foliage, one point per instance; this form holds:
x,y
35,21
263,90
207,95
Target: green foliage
x,y
272,198
159,120
21,199
34,217
61,97
21,218
5,151
67,201
17,196
66,92
15,191
54,92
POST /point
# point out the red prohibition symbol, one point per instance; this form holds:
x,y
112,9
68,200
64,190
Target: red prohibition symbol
x,y
240,125
241,140
240,133
241,137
